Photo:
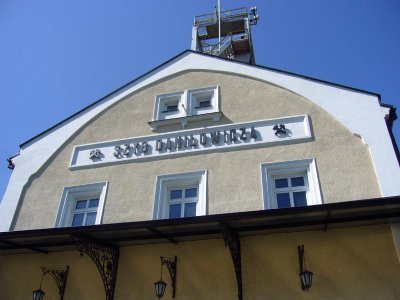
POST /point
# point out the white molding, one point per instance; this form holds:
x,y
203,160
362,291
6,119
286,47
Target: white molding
x,y
307,166
159,104
359,112
70,195
298,128
213,91
164,182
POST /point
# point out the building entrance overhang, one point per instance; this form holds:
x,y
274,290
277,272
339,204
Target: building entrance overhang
x,y
244,224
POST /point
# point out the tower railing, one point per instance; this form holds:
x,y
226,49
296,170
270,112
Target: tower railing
x,y
227,15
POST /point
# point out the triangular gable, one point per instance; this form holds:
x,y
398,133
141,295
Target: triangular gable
x,y
357,110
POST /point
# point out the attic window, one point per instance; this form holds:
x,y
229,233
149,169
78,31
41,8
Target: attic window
x,y
180,107
168,106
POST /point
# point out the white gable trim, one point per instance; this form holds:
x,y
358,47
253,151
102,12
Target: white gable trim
x,y
359,112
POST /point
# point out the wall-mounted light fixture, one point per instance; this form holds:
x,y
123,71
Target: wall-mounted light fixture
x,y
160,285
305,275
59,275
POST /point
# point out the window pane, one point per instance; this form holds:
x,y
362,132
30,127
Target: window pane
x,y
93,203
205,103
191,192
297,181
78,220
300,199
90,218
283,200
172,107
80,204
174,211
176,194
281,183
190,209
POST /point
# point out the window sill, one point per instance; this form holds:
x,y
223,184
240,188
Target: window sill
x,y
184,121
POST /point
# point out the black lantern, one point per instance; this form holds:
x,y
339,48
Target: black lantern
x,y
306,279
160,285
160,288
305,275
38,294
59,276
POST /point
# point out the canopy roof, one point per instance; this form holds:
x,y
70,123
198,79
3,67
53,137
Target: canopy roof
x,y
252,223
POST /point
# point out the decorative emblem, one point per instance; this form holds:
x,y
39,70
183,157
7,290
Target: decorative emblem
x,y
280,130
94,154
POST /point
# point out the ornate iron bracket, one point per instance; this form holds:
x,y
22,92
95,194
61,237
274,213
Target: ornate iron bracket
x,y
232,241
171,266
106,259
60,276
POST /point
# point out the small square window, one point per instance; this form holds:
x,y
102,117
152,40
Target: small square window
x,y
290,184
167,106
82,205
204,100
180,195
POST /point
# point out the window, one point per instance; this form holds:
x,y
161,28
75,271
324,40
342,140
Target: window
x,y
169,106
290,184
203,100
179,107
181,195
82,205
182,202
85,212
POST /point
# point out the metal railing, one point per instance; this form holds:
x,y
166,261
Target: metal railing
x,y
227,15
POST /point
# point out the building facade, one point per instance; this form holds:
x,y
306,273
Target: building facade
x,y
227,165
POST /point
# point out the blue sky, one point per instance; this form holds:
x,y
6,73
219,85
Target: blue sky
x,y
57,57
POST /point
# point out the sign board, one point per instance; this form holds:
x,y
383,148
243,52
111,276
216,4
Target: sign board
x,y
215,138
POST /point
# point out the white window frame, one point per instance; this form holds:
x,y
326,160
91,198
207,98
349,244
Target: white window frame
x,y
195,96
270,171
183,200
160,112
72,194
188,103
166,183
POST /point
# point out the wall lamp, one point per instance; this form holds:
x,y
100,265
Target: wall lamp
x,y
305,275
59,275
160,285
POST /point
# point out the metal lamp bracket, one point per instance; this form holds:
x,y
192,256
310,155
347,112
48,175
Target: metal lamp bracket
x,y
106,259
171,266
60,276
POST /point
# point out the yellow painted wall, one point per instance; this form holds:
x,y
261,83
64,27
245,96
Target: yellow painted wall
x,y
234,178
351,263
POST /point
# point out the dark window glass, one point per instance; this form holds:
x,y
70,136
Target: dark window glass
x,y
299,199
172,107
176,194
78,220
190,209
281,183
80,204
191,192
205,103
93,203
90,218
297,181
283,200
174,211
